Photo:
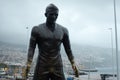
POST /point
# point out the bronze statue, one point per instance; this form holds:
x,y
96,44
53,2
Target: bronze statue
x,y
49,36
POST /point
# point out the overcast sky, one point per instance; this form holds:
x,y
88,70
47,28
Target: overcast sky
x,y
87,20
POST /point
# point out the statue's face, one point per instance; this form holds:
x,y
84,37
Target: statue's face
x,y
52,16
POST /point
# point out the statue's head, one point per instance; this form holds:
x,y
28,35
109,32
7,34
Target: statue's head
x,y
51,13
51,7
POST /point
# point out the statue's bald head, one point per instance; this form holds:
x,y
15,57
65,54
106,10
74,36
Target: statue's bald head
x,y
51,7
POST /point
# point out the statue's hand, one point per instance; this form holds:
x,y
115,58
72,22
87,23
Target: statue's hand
x,y
26,70
75,70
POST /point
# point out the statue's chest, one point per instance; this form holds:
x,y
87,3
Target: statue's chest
x,y
45,33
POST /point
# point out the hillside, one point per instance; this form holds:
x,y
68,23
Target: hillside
x,y
84,54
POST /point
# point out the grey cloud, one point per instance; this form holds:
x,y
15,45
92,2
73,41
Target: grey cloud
x,y
16,15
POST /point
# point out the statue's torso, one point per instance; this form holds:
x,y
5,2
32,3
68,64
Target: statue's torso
x,y
49,45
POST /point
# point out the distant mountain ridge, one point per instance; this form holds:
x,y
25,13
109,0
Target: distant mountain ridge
x,y
84,54
96,56
12,45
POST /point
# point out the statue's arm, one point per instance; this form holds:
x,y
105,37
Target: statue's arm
x,y
67,46
31,49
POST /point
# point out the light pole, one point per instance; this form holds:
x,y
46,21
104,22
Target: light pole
x,y
89,67
117,56
27,36
113,68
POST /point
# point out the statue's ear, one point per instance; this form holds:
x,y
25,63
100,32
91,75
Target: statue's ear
x,y
45,14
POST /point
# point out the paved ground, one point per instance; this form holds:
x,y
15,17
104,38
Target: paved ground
x,y
83,77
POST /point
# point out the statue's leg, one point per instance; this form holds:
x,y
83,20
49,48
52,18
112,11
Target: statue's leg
x,y
58,74
41,73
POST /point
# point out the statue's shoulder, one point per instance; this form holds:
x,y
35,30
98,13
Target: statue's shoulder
x,y
64,29
39,27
